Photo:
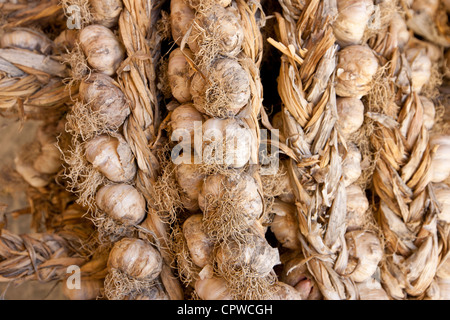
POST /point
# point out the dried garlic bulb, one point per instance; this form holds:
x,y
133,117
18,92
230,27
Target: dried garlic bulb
x,y
285,292
25,38
112,156
357,65
371,289
30,174
200,245
102,48
352,19
136,258
122,202
90,289
226,142
217,31
351,166
103,95
190,180
442,193
255,254
106,12
213,288
428,7
357,206
399,30
183,122
440,160
181,18
243,190
285,225
350,115
179,75
49,159
420,65
224,91
365,253
429,112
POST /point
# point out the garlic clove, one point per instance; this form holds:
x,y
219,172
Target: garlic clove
x,y
122,202
200,245
179,75
371,289
440,160
181,18
106,12
357,206
112,156
212,289
350,115
284,291
351,166
285,225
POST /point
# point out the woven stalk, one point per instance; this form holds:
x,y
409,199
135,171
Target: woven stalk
x,y
31,81
406,206
305,85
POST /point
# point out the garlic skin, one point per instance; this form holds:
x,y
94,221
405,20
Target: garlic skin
x,y
122,202
351,166
255,254
371,289
356,68
217,185
190,180
181,18
136,258
25,38
357,206
399,30
440,160
212,289
352,19
207,3
442,193
429,112
365,253
420,65
112,156
102,48
183,122
351,115
103,95
221,24
67,39
30,174
285,225
49,160
428,7
200,245
179,75
106,12
225,142
90,289
225,93
285,292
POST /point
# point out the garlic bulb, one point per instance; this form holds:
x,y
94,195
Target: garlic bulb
x,y
181,18
224,91
440,160
199,244
190,180
399,30
136,258
285,225
255,254
351,21
420,65
184,120
102,48
49,160
217,31
294,270
122,202
243,192
106,12
30,174
226,142
285,292
179,75
25,38
428,7
357,65
357,206
442,193
429,112
365,253
112,156
103,95
351,115
212,289
371,289
90,289
351,166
